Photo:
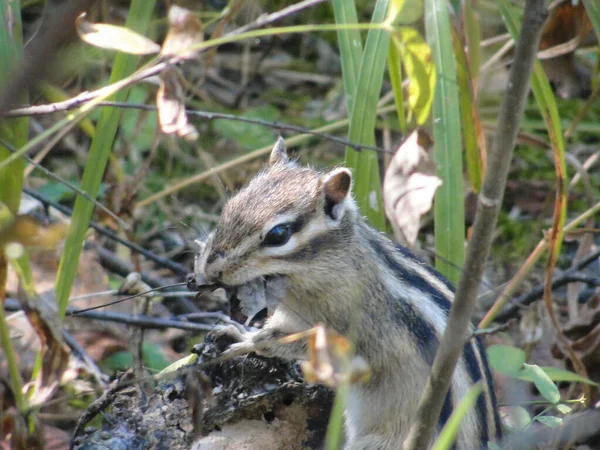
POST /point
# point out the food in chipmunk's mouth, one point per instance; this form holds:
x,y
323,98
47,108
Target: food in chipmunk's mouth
x,y
260,293
254,296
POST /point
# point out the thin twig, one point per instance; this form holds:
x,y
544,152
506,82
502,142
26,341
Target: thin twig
x,y
214,116
536,293
110,261
148,293
164,262
488,206
142,321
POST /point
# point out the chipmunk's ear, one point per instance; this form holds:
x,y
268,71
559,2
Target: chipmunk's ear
x,y
336,186
279,153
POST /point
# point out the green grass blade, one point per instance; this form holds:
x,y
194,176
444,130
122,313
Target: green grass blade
x,y
365,165
335,429
395,71
450,430
138,19
472,33
592,7
469,116
351,48
14,132
449,200
542,91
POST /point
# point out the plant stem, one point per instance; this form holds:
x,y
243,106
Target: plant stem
x,y
488,207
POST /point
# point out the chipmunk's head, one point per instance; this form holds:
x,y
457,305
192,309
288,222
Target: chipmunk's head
x,y
281,223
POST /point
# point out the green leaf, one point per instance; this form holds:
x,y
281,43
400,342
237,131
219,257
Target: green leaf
x,y
556,374
448,435
418,65
449,200
154,359
550,421
404,11
192,357
517,418
506,360
543,383
563,409
394,10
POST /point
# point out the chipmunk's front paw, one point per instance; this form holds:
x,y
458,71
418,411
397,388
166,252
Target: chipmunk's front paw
x,y
234,332
243,343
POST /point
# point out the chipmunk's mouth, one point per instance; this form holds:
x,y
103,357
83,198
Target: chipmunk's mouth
x,y
255,295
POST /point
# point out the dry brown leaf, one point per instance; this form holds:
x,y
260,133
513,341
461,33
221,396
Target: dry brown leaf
x,y
15,432
43,317
409,186
113,37
170,101
330,358
30,233
567,22
185,30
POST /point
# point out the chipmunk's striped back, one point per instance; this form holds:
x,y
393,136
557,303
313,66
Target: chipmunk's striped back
x,y
303,228
425,316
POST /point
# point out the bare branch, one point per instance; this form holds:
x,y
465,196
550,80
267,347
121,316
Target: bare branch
x,y
488,206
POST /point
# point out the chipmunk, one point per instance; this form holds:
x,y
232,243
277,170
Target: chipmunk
x,y
301,227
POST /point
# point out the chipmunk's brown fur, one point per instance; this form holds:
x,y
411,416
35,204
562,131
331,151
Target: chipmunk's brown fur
x,y
303,226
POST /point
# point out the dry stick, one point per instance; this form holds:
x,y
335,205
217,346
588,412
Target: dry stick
x,y
568,276
488,206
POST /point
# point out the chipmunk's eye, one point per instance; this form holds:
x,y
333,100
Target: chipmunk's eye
x,y
278,235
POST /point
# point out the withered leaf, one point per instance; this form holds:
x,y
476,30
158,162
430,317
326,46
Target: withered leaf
x,y
43,317
185,30
331,359
30,233
170,101
409,186
113,37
